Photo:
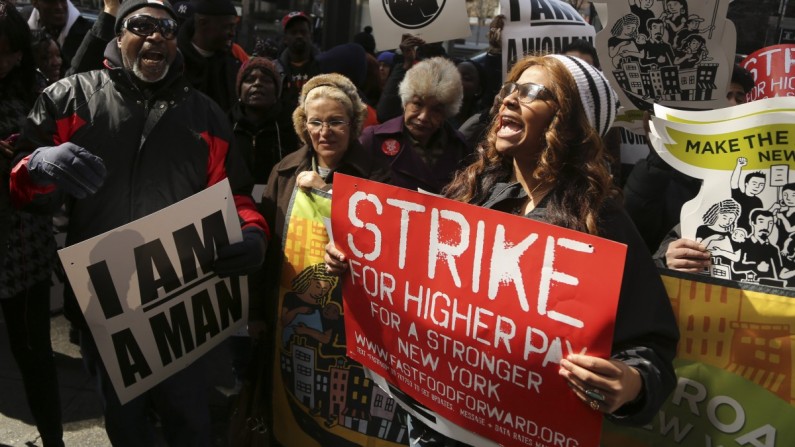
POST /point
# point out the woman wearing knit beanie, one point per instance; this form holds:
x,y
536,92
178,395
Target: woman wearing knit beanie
x,y
543,158
255,115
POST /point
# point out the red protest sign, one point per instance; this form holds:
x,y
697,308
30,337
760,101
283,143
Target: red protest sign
x,y
773,68
467,312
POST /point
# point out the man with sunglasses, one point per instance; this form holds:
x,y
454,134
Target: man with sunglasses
x,y
121,143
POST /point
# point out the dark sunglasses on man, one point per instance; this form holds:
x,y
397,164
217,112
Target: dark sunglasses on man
x,y
144,26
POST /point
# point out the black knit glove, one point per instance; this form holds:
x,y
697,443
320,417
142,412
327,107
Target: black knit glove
x,y
242,257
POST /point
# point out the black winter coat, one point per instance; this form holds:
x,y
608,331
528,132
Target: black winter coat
x,y
260,144
646,333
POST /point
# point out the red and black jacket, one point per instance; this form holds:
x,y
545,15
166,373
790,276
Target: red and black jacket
x,y
159,147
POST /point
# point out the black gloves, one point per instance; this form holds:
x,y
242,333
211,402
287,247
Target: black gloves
x,y
242,257
72,168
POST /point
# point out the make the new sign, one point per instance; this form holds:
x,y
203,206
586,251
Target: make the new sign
x,y
467,312
148,292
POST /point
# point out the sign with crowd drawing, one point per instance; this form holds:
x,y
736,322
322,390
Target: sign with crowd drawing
x,y
540,26
322,396
745,211
465,314
149,294
678,53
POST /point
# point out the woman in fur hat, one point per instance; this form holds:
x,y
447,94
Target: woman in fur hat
x,y
543,158
421,146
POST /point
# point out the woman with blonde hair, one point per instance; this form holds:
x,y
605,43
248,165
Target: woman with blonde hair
x,y
543,158
328,120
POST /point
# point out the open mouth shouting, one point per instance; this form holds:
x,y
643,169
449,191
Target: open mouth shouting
x,y
152,65
509,127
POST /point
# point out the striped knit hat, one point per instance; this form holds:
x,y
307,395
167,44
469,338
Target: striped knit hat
x,y
598,98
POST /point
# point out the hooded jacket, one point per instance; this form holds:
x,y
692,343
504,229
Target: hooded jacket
x,y
215,75
258,142
159,146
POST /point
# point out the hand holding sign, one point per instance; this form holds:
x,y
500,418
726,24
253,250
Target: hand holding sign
x,y
605,385
408,46
335,260
242,257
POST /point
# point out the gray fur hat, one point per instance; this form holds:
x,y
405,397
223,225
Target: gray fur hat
x,y
436,77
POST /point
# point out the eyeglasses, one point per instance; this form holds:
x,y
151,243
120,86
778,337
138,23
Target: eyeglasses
x,y
527,93
335,125
145,26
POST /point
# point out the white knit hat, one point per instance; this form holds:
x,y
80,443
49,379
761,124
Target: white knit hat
x,y
598,98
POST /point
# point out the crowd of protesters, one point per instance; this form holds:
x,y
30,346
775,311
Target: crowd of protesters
x,y
293,117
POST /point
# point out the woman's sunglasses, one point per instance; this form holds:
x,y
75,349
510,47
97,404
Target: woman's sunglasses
x,y
527,93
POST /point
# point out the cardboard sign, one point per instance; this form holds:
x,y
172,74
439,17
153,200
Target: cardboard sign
x,y
432,20
148,292
745,212
774,71
467,312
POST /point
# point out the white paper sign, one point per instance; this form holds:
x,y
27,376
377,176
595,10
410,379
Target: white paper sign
x,y
540,26
149,294
431,20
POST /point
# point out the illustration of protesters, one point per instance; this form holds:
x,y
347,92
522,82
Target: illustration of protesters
x,y
625,40
302,307
785,214
655,193
691,28
543,159
656,51
758,257
675,17
747,194
716,233
642,9
719,222
788,260
692,52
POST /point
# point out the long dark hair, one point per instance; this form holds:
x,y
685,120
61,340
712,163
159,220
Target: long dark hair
x,y
22,78
573,160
